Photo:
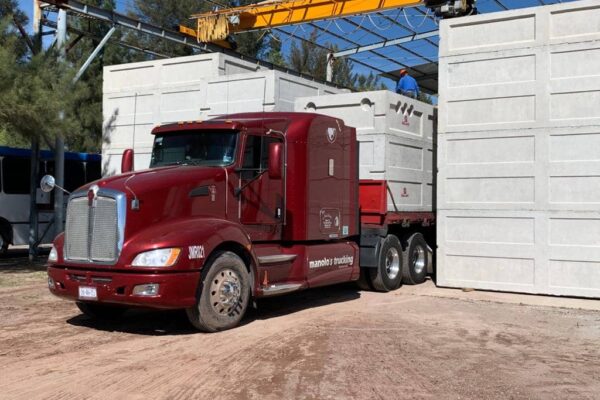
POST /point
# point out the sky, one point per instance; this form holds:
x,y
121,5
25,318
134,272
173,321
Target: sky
x,y
350,33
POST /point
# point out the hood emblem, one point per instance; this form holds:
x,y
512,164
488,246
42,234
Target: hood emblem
x,y
92,195
331,134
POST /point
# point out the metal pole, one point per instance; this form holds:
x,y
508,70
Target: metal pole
x,y
59,148
87,62
330,60
33,184
35,154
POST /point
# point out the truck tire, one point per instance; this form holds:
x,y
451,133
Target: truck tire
x,y
223,294
5,235
388,274
414,260
100,311
3,245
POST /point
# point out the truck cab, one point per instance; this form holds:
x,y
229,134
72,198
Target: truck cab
x,y
242,206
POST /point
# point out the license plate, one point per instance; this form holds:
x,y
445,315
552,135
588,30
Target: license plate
x,y
89,293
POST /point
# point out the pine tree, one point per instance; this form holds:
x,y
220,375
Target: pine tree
x,y
89,96
308,58
274,54
368,82
34,89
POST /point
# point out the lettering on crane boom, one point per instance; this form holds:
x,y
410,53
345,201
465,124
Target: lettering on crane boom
x,y
331,262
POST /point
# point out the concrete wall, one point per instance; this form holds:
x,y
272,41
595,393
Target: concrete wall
x,y
395,134
519,151
139,96
260,91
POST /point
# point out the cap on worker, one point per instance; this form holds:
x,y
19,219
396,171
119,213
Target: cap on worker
x,y
403,72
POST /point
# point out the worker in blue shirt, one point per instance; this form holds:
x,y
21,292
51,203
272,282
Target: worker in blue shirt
x,y
407,85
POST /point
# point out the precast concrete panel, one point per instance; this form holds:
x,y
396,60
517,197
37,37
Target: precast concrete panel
x,y
376,112
259,91
139,96
396,141
518,192
179,71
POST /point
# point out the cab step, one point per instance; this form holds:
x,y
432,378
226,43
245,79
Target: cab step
x,y
277,289
276,259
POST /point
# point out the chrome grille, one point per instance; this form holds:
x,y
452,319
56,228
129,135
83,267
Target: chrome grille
x,y
104,230
94,229
77,229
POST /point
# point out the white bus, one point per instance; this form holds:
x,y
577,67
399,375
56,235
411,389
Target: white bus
x,y
15,171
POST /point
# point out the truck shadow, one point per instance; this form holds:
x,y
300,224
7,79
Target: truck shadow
x,y
174,322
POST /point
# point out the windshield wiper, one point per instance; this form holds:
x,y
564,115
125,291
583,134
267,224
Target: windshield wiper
x,y
195,162
171,163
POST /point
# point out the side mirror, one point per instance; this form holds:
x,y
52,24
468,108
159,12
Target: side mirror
x,y
47,183
127,161
275,160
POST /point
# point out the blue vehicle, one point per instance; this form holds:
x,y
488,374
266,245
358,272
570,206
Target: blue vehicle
x,y
15,173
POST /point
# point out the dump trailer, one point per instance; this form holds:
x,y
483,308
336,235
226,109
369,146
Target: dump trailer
x,y
232,209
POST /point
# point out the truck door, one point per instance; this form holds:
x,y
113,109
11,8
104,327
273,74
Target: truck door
x,y
261,198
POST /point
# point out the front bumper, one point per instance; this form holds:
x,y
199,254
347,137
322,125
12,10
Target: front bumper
x,y
176,290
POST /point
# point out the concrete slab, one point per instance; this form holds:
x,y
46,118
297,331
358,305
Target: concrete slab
x,y
396,141
518,191
429,289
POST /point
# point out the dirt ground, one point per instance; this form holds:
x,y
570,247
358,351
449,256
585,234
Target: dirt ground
x,y
334,343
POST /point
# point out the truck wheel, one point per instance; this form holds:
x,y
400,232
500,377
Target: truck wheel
x,y
3,244
100,311
223,294
414,260
364,280
388,274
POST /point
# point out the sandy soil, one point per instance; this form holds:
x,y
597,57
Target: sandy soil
x,y
333,343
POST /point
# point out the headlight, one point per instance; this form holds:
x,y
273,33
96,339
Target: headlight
x,y
157,258
53,256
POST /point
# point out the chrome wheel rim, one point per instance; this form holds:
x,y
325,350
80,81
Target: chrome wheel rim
x,y
418,259
225,292
392,263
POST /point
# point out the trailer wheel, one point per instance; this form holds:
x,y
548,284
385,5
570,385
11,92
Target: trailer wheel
x,y
223,294
388,274
100,311
415,260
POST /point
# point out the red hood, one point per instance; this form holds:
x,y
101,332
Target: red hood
x,y
151,180
166,194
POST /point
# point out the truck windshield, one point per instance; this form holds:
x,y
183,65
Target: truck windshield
x,y
208,148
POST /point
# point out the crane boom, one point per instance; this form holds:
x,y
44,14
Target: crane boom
x,y
217,26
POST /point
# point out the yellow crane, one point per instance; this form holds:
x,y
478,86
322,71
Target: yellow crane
x,y
218,26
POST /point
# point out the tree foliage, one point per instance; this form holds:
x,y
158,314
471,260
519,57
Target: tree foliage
x,y
273,53
89,96
309,58
36,88
37,97
39,93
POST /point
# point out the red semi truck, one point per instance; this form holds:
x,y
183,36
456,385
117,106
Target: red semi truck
x,y
232,209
